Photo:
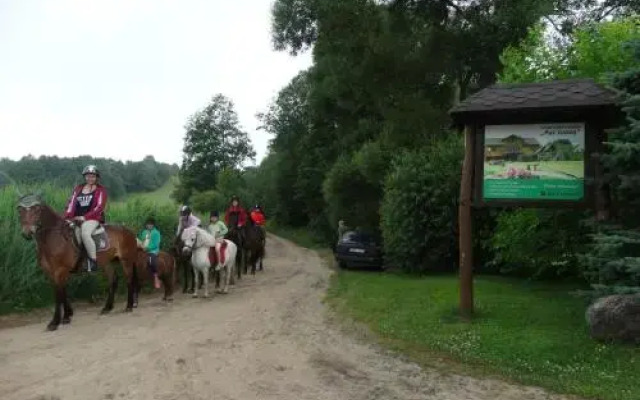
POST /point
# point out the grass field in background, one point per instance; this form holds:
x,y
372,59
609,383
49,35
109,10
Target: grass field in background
x,y
160,196
575,168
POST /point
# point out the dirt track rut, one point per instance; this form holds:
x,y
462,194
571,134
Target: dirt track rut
x,y
267,339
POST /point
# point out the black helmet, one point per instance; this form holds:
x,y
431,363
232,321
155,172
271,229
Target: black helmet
x,y
150,221
214,214
234,197
185,210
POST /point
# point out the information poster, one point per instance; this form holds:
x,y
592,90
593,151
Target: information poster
x,y
534,162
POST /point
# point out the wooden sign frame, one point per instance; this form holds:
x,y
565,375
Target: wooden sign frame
x,y
568,101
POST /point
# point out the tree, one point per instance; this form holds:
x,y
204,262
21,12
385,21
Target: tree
x,y
613,262
213,141
595,51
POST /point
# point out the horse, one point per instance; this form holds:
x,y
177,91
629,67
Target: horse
x,y
254,244
236,236
197,242
59,254
166,264
183,263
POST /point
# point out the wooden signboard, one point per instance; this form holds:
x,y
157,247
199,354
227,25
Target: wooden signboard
x,y
531,145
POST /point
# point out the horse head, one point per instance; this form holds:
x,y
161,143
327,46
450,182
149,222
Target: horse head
x,y
30,211
189,239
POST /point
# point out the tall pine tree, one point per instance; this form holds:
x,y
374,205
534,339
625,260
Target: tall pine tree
x,y
613,262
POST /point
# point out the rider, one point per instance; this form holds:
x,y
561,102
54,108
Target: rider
x,y
217,229
150,238
257,216
236,216
187,219
86,207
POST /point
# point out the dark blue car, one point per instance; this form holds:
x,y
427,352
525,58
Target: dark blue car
x,y
359,249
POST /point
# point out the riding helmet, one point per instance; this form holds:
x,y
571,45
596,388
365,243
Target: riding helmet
x,y
150,221
214,214
91,169
235,198
185,210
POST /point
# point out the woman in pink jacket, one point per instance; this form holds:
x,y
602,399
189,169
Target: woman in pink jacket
x,y
86,208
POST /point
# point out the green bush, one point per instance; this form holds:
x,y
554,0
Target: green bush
x,y
23,285
419,208
537,244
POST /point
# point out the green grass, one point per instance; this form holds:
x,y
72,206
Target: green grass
x,y
575,168
532,333
160,196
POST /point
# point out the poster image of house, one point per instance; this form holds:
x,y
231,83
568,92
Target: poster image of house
x,y
534,161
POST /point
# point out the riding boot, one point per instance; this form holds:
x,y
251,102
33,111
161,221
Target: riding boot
x,y
92,265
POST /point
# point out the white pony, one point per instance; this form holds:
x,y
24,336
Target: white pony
x,y
198,241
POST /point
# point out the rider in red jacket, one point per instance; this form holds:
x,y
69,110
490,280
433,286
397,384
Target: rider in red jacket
x,y
235,216
257,216
86,208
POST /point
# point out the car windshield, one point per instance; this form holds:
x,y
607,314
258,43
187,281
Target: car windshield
x,y
360,237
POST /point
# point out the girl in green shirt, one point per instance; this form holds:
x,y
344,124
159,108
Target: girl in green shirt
x,y
218,230
150,238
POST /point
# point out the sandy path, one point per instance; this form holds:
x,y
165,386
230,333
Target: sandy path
x,y
267,339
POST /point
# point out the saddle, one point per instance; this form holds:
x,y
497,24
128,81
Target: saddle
x,y
213,256
99,236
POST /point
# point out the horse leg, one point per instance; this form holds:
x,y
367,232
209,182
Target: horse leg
x,y
227,276
68,311
112,278
186,272
131,276
205,278
59,296
196,280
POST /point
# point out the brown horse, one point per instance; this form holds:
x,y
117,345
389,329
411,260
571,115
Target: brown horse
x,y
59,255
166,272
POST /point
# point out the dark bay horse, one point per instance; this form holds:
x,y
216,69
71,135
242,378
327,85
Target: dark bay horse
x,y
59,256
250,241
183,263
254,243
166,264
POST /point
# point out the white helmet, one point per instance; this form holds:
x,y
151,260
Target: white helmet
x,y
90,169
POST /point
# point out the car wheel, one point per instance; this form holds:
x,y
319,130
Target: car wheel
x,y
342,265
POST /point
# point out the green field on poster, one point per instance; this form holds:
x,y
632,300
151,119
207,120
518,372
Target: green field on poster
x,y
534,162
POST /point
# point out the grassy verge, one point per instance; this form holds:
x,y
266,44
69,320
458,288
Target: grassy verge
x,y
532,333
300,236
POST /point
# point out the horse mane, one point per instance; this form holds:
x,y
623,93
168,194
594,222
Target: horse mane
x,y
203,233
48,216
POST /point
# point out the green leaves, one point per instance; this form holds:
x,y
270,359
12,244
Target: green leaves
x,y
213,141
420,204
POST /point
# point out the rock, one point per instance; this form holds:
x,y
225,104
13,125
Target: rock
x,y
615,318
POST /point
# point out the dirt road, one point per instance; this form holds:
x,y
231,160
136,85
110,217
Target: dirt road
x,y
267,339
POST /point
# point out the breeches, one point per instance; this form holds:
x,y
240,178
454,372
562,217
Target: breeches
x,y
86,229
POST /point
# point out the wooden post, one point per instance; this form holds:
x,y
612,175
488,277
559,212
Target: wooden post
x,y
464,221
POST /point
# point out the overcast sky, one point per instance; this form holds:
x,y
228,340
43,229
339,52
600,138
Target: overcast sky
x,y
119,78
